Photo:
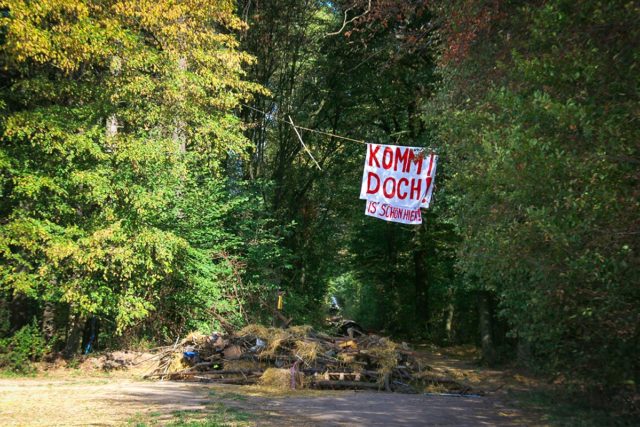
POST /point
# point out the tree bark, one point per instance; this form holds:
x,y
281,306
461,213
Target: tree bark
x,y
421,288
422,252
49,321
448,327
486,325
74,335
5,315
524,351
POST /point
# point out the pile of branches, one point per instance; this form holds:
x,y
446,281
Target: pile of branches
x,y
296,357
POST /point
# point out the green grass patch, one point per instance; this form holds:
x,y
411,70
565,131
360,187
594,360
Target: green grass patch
x,y
228,395
216,415
9,373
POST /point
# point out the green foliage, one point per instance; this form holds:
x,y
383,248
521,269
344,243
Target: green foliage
x,y
136,188
367,82
540,131
113,112
25,346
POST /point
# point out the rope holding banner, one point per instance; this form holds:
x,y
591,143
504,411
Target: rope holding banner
x,y
346,138
303,144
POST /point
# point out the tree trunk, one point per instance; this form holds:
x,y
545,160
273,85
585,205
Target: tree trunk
x,y
448,327
112,121
5,315
524,351
74,336
486,324
421,281
22,311
49,321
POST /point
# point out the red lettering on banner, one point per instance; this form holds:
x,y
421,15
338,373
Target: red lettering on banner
x,y
402,195
393,179
419,157
375,190
387,164
373,154
415,190
389,194
393,213
401,188
403,159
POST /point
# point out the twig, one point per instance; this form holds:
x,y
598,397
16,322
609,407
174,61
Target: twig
x,y
302,142
345,21
166,369
332,135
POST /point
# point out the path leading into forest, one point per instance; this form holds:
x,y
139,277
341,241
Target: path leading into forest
x,y
385,409
65,400
41,402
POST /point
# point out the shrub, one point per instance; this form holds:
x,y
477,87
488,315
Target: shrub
x,y
18,352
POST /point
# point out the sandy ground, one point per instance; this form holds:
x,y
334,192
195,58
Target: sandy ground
x,y
87,396
120,401
88,401
389,409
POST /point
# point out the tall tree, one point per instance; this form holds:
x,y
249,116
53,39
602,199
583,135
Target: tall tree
x,y
540,119
98,194
362,70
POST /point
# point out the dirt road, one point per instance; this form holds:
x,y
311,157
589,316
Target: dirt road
x,y
388,409
89,401
118,401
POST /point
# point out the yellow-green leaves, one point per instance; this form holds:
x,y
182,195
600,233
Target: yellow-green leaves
x,y
66,34
90,217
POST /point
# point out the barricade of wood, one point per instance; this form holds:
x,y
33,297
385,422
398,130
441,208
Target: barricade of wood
x,y
295,357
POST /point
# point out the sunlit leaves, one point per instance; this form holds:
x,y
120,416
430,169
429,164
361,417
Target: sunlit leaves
x,y
96,220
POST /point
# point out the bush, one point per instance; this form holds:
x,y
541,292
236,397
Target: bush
x,y
18,352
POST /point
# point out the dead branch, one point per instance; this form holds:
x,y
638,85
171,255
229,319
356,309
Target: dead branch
x,y
347,21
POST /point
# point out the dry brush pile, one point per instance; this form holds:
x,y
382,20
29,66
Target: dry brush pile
x,y
298,357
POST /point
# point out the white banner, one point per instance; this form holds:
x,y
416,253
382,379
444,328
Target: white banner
x,y
402,177
393,213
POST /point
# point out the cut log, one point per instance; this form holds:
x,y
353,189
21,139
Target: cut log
x,y
347,384
238,381
223,372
